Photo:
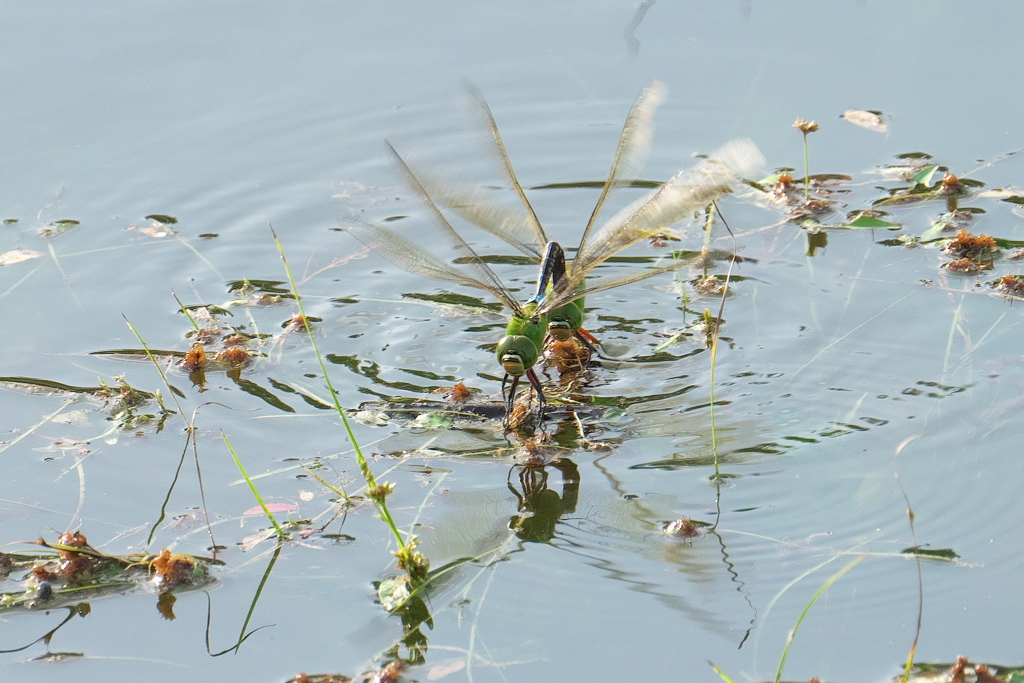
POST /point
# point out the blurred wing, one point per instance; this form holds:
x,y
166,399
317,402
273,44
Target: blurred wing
x,y
481,114
634,146
413,258
473,205
393,247
684,194
563,293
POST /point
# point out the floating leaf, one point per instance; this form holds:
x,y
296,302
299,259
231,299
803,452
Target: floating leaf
x,y
935,232
162,218
1015,199
432,421
77,418
866,119
924,176
372,417
17,256
871,222
57,227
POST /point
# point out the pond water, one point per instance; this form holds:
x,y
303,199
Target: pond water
x,y
855,374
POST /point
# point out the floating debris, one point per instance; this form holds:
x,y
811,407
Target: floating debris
x,y
320,678
1010,285
973,247
298,323
195,359
709,285
567,356
966,266
56,228
871,120
70,571
684,528
235,357
459,393
19,255
176,570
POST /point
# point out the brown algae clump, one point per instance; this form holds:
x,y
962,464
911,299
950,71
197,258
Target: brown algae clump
x,y
72,563
966,266
684,528
1010,285
709,285
459,393
174,570
235,357
567,356
195,358
974,247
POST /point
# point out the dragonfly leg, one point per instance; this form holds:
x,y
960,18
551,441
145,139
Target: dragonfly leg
x,y
510,397
588,340
532,376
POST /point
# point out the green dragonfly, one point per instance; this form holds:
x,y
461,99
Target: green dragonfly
x,y
521,228
557,287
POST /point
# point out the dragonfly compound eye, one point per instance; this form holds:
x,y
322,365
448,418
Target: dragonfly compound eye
x,y
560,330
565,320
517,354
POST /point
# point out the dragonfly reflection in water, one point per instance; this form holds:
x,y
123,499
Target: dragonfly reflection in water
x,y
558,288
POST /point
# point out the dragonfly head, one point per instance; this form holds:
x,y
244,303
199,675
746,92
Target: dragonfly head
x,y
560,330
517,354
564,321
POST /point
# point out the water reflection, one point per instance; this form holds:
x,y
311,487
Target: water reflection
x,y
541,508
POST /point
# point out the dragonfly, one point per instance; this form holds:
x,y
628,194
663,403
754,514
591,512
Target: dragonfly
x,y
522,229
553,306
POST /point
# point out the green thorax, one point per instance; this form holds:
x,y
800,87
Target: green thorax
x,y
519,349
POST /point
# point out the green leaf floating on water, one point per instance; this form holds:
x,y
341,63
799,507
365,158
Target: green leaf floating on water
x,y
870,222
924,176
432,421
162,218
1014,199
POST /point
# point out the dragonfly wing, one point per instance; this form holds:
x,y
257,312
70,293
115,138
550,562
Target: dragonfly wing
x,y
563,294
681,196
473,205
486,277
481,114
633,148
398,250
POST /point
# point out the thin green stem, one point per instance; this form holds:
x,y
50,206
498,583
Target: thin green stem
x,y
252,487
375,492
807,170
821,591
159,369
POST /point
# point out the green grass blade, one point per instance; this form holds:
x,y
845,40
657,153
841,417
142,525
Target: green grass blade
x,y
720,672
377,493
821,591
252,487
